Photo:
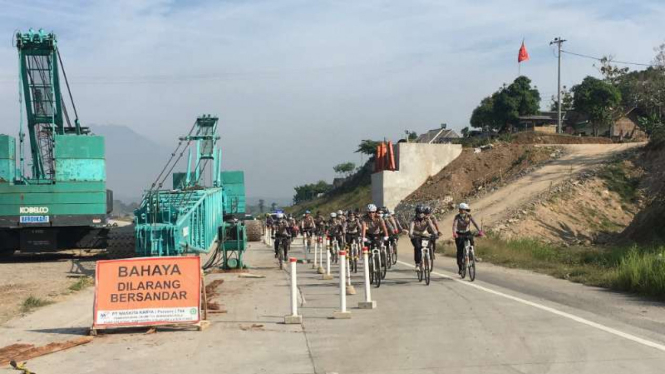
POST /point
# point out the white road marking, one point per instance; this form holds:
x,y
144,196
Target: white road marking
x,y
573,317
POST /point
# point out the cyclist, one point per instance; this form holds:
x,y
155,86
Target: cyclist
x,y
373,228
293,226
320,222
428,215
336,229
462,231
341,216
308,226
352,227
281,233
420,227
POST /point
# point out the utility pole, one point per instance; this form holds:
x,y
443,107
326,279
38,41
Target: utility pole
x,y
558,41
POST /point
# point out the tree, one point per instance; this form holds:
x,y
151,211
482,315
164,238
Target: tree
x,y
465,132
368,147
345,168
505,106
659,59
308,192
262,205
598,100
412,136
566,101
611,73
273,207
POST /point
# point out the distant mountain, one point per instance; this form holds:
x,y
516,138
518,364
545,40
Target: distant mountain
x,y
132,161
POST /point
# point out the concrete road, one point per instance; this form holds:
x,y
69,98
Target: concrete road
x,y
506,322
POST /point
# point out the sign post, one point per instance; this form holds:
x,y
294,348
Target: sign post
x,y
147,291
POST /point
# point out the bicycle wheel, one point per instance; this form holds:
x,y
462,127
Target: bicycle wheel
x,y
427,270
431,260
377,272
463,275
389,259
371,271
394,255
384,266
420,272
280,256
472,268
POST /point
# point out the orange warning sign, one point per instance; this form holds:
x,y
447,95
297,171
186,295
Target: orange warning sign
x,y
147,291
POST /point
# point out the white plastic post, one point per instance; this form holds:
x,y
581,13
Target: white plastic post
x,y
316,252
350,290
327,275
294,318
368,303
342,313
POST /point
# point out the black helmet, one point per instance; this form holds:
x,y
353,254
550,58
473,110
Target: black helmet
x,y
419,209
427,210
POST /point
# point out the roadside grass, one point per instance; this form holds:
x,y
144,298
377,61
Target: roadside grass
x,y
81,283
617,178
356,198
32,303
630,268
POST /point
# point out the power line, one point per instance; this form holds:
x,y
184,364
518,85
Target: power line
x,y
609,60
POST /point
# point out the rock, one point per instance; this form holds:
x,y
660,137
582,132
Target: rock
x,y
513,220
524,212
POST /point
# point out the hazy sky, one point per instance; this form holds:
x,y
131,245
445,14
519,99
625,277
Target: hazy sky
x,y
297,84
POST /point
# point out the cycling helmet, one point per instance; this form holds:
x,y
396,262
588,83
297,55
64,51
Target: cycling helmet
x,y
333,215
386,211
464,206
308,212
419,209
371,208
427,210
340,213
279,215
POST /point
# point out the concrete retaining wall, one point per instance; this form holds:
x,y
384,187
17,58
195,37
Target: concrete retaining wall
x,y
415,163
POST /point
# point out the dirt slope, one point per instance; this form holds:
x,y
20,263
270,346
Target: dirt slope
x,y
495,207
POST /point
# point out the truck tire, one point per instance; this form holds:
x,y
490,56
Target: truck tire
x,y
121,243
254,230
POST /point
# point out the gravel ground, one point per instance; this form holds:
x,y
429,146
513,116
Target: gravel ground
x,y
44,276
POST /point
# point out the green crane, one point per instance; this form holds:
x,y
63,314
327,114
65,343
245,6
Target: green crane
x,y
62,203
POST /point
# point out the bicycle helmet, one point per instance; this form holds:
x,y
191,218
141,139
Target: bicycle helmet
x,y
371,208
340,213
333,215
427,210
308,212
419,209
464,206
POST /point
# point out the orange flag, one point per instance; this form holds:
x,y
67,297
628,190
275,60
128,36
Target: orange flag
x,y
523,54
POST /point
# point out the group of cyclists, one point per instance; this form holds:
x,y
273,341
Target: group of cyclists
x,y
375,227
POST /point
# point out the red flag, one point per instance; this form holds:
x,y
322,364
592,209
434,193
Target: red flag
x,y
523,54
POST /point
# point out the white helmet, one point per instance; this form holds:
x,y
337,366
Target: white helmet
x,y
464,206
340,213
371,208
333,215
280,215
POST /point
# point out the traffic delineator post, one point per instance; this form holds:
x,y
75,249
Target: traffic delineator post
x,y
350,290
342,313
294,318
327,275
368,303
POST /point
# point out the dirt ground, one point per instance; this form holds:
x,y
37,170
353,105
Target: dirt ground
x,y
46,277
474,171
541,138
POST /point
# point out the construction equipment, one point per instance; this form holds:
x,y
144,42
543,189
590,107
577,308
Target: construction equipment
x,y
200,214
62,203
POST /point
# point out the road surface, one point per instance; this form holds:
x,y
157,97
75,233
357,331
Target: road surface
x,y
508,321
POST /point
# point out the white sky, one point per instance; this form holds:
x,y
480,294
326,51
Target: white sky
x,y
297,84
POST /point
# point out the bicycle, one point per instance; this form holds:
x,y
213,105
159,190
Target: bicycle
x,y
384,259
282,250
469,259
334,250
353,255
393,249
425,267
374,265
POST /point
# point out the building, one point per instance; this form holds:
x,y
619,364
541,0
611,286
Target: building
x,y
623,126
545,122
442,135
